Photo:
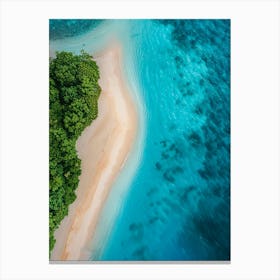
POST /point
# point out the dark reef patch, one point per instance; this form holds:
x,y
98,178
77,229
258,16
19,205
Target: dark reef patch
x,y
141,253
184,195
168,176
137,231
194,139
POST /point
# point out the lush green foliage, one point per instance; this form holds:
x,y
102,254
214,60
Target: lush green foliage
x,y
74,92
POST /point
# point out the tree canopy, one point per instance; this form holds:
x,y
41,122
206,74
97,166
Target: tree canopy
x,y
73,96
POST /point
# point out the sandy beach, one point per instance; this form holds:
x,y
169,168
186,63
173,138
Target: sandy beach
x,y
103,148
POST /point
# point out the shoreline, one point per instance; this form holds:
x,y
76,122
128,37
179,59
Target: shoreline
x,y
103,148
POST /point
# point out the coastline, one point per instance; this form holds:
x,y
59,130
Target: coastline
x,y
103,148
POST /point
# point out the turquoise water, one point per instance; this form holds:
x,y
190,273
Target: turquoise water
x,y
176,203
60,28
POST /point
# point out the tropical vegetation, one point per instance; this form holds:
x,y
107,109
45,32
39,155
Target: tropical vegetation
x,y
73,95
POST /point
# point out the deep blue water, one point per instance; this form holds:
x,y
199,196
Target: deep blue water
x,y
178,204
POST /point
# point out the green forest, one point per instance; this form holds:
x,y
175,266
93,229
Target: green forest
x,y
73,95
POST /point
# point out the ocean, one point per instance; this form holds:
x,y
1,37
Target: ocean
x,y
172,199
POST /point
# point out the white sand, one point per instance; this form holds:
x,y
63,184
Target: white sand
x,y
103,148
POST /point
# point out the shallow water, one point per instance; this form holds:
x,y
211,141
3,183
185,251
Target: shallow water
x,y
173,196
